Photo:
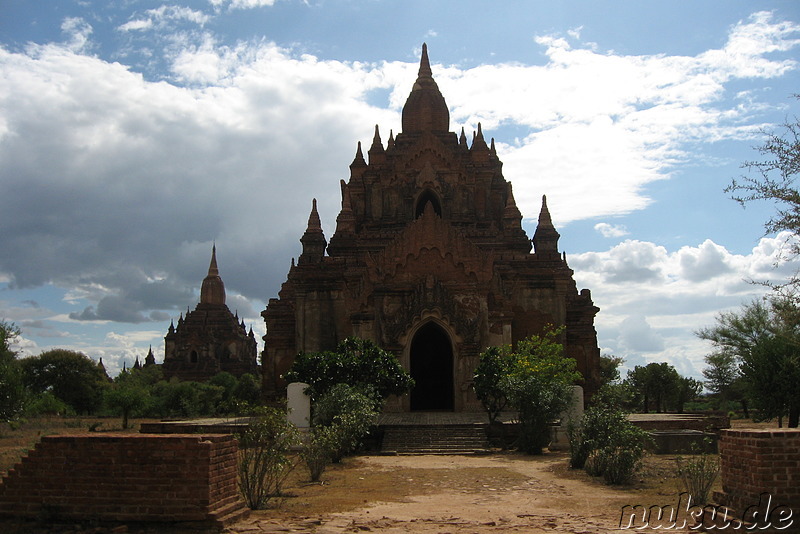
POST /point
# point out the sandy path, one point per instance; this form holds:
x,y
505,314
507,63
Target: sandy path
x,y
531,496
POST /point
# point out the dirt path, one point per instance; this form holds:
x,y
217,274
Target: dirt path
x,y
506,493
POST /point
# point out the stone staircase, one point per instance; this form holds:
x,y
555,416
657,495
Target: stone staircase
x,y
434,439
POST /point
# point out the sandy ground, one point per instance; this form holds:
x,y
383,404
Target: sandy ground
x,y
507,494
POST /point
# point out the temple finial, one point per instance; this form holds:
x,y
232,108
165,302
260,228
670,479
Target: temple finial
x,y
424,63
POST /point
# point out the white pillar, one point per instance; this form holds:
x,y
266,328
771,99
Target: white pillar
x,y
299,405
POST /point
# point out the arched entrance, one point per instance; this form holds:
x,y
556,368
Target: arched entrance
x,y
431,359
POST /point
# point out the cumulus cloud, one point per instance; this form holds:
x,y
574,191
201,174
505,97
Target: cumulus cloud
x,y
652,300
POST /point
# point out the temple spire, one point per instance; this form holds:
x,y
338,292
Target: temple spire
x,y
545,239
213,289
424,63
313,239
425,108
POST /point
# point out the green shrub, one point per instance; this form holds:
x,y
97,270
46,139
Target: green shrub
x,y
697,475
47,404
318,450
265,459
349,412
607,444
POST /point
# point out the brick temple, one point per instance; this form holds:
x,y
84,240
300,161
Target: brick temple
x,y
210,339
429,260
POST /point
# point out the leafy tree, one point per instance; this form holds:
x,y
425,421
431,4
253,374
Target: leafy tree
x,y
774,180
609,369
764,337
129,394
71,376
724,379
248,389
656,384
721,372
539,387
494,365
12,388
356,362
687,388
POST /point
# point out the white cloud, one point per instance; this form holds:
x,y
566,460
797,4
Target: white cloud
x,y
242,4
611,230
161,17
652,300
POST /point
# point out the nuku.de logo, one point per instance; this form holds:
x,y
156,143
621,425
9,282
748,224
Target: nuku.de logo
x,y
765,514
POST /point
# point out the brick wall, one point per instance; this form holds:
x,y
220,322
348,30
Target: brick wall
x,y
754,462
127,478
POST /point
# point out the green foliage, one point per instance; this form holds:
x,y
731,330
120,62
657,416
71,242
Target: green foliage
x,y
494,365
535,380
349,412
12,387
356,362
659,386
609,369
607,444
71,376
47,404
319,449
128,395
697,475
764,338
265,459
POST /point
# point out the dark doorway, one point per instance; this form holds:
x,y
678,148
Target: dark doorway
x,y
426,197
432,369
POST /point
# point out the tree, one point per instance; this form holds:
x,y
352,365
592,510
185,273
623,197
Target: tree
x,y
128,395
71,376
774,181
609,369
12,388
495,364
654,383
724,378
538,385
687,389
356,362
764,337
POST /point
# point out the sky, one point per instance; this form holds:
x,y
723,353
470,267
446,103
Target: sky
x,y
134,135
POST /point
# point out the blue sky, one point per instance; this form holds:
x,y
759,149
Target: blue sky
x,y
134,134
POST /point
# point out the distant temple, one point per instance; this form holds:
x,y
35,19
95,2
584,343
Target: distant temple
x,y
209,339
429,260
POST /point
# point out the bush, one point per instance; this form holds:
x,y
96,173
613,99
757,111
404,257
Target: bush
x,y
535,380
607,444
47,404
265,459
697,475
318,450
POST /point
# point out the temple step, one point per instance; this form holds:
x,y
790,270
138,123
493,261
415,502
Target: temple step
x,y
434,439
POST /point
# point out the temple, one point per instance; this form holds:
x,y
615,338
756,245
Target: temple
x,y
210,339
429,260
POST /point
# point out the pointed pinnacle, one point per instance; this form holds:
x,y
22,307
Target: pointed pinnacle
x,y
424,63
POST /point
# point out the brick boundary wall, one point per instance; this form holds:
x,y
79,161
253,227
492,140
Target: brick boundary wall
x,y
754,462
127,478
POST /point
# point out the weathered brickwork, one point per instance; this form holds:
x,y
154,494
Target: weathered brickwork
x,y
126,477
754,462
